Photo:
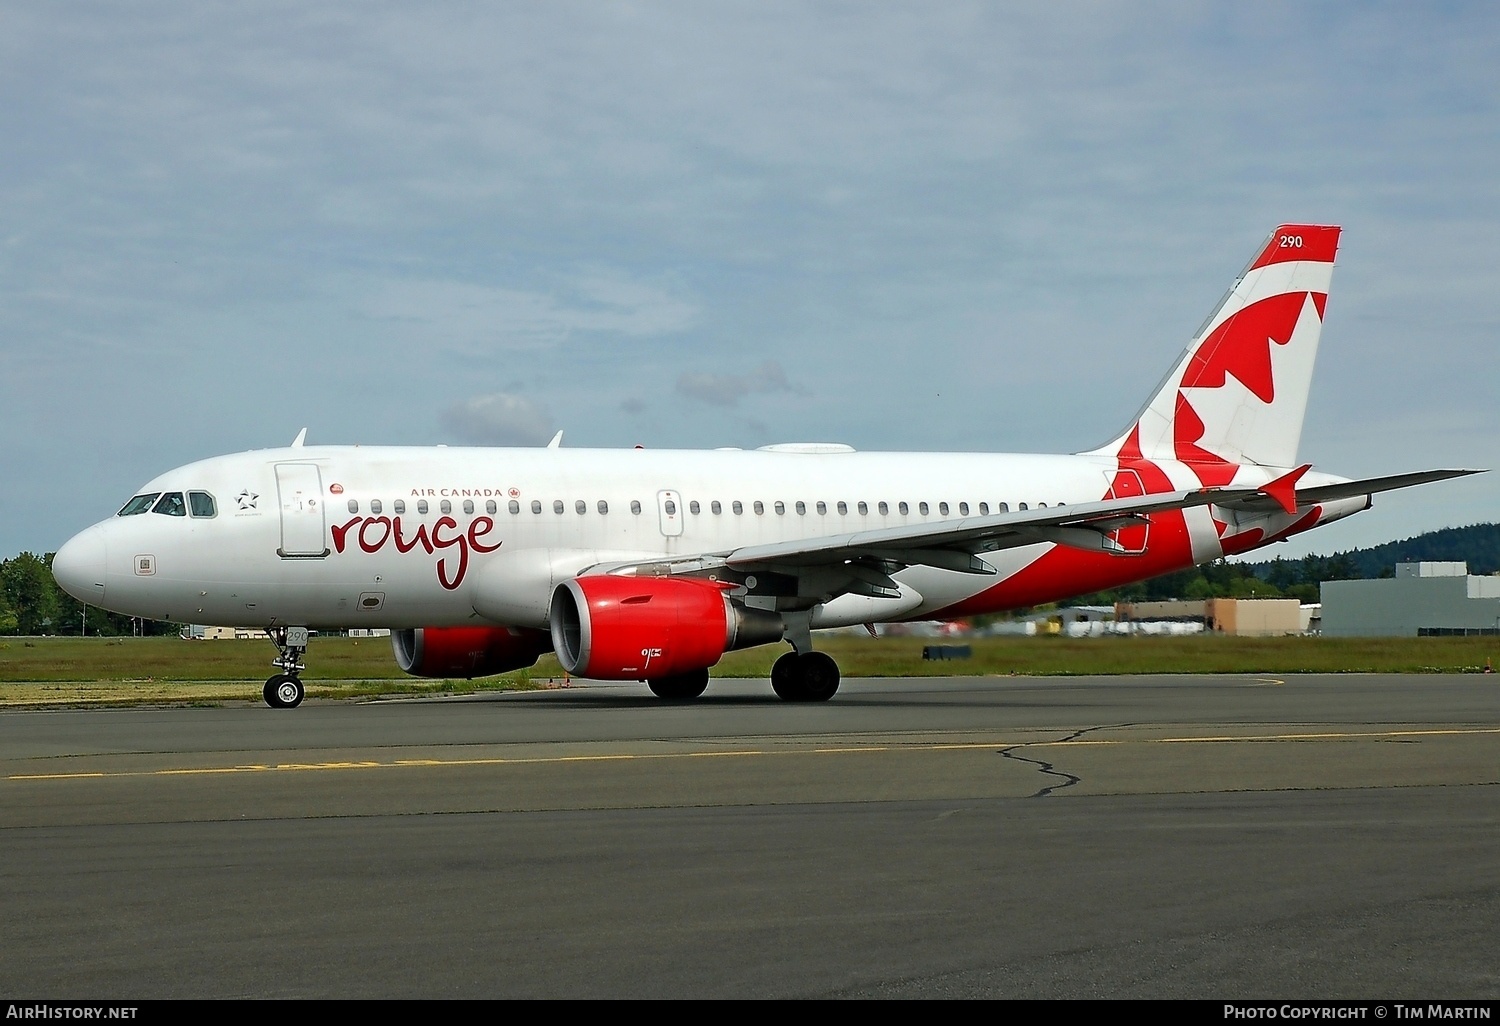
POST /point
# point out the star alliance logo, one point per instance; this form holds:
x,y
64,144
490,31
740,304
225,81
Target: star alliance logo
x,y
246,499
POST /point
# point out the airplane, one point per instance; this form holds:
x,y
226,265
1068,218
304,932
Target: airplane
x,y
635,564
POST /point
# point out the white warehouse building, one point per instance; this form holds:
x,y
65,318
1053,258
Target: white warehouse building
x,y
1422,600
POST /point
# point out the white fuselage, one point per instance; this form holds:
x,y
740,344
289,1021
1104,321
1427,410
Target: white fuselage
x,y
348,536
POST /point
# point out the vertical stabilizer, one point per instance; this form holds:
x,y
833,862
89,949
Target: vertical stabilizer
x,y
1239,392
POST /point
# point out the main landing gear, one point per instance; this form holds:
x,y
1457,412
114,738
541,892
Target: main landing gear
x,y
284,690
681,687
805,677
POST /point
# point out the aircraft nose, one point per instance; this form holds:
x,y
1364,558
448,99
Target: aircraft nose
x,y
79,565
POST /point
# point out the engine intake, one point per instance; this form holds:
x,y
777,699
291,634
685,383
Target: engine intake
x,y
646,628
467,651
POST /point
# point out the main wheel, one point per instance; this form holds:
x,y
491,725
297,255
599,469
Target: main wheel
x,y
820,676
283,691
682,686
809,677
785,680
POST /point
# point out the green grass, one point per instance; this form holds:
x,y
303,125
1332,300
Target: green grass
x,y
1060,656
119,670
123,670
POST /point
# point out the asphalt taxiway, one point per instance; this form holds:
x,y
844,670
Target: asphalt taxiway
x,y
1224,836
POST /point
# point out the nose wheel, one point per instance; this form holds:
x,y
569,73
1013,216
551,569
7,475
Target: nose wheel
x,y
284,690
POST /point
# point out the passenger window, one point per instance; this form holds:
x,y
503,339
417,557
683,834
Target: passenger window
x,y
843,509
1021,506
1004,507
635,505
353,505
1041,505
942,509
760,508
822,508
922,508
603,507
399,505
963,509
984,509
801,508
490,507
864,508
694,508
422,507
738,507
536,505
171,504
884,508
513,506
469,507
903,508
201,504
557,506
446,507
715,507
670,507
139,504
375,505
780,508
580,507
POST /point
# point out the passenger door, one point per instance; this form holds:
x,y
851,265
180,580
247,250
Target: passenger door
x,y
299,489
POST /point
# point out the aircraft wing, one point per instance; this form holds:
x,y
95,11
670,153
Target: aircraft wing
x,y
955,544
862,562
869,557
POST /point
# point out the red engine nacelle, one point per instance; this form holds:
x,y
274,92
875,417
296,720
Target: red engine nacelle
x,y
646,628
467,651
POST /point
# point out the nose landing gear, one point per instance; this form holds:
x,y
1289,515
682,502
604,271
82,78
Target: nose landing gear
x,y
284,690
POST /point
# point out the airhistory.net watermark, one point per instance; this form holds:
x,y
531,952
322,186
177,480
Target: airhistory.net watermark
x,y
67,1010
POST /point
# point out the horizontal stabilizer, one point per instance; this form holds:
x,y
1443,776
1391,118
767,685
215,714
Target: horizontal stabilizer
x,y
1284,488
1273,496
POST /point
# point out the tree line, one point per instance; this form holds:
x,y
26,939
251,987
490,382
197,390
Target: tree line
x,y
31,603
1279,578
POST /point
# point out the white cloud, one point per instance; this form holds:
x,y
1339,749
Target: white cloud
x,y
473,318
499,419
729,389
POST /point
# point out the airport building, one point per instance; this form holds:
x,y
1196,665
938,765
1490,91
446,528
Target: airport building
x,y
1422,600
1245,618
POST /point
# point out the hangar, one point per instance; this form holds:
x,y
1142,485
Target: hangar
x,y
1422,600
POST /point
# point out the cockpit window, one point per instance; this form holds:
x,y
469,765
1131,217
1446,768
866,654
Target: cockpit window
x,y
139,504
171,504
201,504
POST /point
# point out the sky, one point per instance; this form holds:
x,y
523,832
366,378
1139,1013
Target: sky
x,y
939,226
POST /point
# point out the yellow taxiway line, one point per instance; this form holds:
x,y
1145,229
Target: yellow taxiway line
x,y
296,767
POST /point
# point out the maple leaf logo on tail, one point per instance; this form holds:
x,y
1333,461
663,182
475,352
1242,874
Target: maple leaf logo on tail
x,y
1239,393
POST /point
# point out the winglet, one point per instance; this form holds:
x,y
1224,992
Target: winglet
x,y
301,437
556,442
1284,488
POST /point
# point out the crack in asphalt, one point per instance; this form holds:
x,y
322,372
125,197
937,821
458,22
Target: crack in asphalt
x,y
1068,779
